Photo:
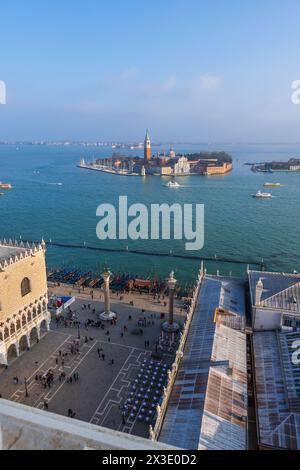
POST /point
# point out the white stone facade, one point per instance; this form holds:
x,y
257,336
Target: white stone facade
x,y
21,325
182,166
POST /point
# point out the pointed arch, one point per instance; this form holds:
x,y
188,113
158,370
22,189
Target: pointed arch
x,y
25,286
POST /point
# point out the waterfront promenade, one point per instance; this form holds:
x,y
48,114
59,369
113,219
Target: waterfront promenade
x,y
140,301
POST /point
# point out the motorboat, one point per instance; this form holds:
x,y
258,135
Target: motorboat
x,y
272,185
5,185
262,195
172,184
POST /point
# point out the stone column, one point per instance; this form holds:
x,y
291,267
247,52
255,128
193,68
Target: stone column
x,y
169,325
3,353
38,331
48,321
107,314
17,348
28,341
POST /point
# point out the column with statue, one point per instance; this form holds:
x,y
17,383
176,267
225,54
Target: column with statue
x,y
107,314
170,326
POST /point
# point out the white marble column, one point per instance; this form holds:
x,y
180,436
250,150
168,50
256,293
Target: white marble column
x,y
48,321
17,348
38,331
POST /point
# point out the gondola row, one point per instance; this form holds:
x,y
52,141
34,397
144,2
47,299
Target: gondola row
x,y
120,282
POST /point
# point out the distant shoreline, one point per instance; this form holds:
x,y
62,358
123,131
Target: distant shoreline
x,y
120,173
128,145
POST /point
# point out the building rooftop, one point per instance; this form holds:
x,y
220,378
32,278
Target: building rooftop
x,y
12,251
277,389
232,297
280,290
7,252
207,406
225,408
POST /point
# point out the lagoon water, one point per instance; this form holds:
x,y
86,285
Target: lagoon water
x,y
237,226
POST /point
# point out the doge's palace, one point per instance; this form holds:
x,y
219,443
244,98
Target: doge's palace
x,y
23,296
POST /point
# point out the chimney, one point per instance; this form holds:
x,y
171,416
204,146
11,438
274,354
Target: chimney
x,y
258,291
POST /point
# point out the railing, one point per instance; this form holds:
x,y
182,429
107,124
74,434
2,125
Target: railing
x,y
161,409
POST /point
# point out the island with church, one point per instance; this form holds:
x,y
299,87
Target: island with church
x,y
162,164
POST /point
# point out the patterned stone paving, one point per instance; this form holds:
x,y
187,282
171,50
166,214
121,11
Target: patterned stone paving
x,y
119,392
102,386
34,387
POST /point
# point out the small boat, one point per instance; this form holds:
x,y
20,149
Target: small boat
x,y
272,185
172,184
56,184
5,185
262,195
2,194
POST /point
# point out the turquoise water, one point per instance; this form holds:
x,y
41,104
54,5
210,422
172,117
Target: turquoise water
x,y
236,225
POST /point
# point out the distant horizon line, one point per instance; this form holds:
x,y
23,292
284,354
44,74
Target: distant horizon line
x,y
104,143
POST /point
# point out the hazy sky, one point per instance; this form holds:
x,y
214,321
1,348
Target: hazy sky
x,y
192,70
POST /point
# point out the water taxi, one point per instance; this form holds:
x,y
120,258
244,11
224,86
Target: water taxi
x,y
272,185
5,185
172,184
262,195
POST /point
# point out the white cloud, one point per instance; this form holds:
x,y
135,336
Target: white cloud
x,y
130,73
206,83
169,84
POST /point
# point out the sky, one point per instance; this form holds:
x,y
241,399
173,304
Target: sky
x,y
189,70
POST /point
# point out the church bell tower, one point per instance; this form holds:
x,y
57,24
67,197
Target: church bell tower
x,y
147,147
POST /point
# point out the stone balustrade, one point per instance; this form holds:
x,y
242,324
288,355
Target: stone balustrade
x,y
26,428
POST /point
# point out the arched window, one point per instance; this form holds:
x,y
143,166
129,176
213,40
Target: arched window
x,y
25,286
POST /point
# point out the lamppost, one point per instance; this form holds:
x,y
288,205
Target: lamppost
x,y
107,314
170,326
26,389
